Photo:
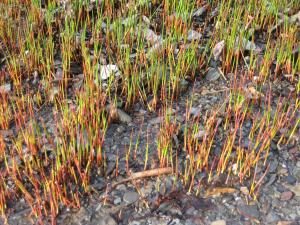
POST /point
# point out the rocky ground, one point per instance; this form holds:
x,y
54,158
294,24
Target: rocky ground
x,y
169,199
164,200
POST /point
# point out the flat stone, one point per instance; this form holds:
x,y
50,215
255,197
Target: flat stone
x,y
249,211
183,86
273,165
193,35
212,74
121,187
117,201
123,116
287,195
290,180
131,196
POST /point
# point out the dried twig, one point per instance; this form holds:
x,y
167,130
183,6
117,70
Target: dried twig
x,y
144,174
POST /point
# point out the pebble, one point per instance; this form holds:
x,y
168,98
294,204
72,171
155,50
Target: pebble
x,y
124,117
212,74
193,35
249,211
271,218
287,195
117,201
273,165
131,196
280,188
121,187
183,86
290,180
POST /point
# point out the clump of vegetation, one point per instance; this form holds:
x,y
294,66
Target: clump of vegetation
x,y
67,67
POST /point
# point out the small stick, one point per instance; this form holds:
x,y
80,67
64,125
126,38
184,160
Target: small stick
x,y
144,174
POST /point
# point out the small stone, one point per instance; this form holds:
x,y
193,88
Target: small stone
x,y
290,180
124,117
121,187
118,114
212,74
249,211
217,50
273,165
183,86
280,188
131,197
287,195
282,171
272,218
193,35
218,222
195,111
121,129
117,201
200,11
